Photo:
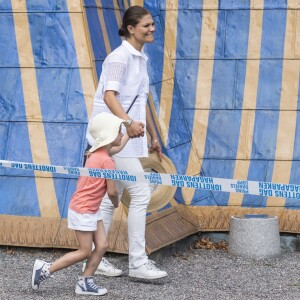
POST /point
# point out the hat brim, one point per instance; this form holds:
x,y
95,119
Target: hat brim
x,y
102,144
108,140
161,195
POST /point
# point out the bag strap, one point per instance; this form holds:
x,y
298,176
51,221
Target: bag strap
x,y
129,108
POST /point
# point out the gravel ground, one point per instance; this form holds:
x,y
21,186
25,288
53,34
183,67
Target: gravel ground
x,y
193,274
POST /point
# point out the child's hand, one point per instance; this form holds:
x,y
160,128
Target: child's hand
x,y
115,203
112,192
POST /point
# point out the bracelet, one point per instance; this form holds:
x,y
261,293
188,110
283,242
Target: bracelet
x,y
154,141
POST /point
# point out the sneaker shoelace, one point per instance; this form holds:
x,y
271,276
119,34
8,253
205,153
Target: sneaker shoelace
x,y
151,265
108,264
44,273
92,284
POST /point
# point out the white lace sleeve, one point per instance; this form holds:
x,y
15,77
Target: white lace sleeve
x,y
115,75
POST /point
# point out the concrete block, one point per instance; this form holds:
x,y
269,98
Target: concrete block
x,y
254,236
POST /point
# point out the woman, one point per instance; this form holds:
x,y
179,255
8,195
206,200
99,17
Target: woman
x,y
124,85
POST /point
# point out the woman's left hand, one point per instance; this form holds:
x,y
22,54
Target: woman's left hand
x,y
155,146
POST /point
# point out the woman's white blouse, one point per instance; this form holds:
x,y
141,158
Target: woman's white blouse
x,y
125,71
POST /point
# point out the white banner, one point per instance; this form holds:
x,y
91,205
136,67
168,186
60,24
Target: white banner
x,y
260,188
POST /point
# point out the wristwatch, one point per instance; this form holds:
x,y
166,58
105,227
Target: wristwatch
x,y
128,122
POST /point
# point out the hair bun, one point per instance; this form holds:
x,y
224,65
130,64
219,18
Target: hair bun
x,y
122,32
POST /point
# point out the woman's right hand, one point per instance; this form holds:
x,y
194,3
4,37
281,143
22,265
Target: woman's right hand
x,y
135,129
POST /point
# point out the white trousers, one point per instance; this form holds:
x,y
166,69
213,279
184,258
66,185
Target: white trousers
x,y
140,196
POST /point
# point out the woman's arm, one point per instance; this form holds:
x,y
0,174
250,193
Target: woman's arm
x,y
154,143
117,149
135,129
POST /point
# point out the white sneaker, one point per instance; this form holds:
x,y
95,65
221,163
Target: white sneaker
x,y
106,268
40,273
147,271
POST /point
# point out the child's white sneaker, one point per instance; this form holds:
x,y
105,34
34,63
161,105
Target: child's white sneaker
x,y
40,273
105,268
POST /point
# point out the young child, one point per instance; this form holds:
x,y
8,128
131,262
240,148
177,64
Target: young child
x,y
84,215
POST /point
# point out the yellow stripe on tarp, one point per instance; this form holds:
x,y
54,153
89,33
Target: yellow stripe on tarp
x,y
288,111
88,100
83,52
154,114
257,4
293,4
103,27
203,94
45,186
243,155
167,87
297,39
210,4
126,4
137,2
118,13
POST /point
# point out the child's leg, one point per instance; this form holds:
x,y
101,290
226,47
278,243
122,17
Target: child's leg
x,y
85,239
101,245
42,270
